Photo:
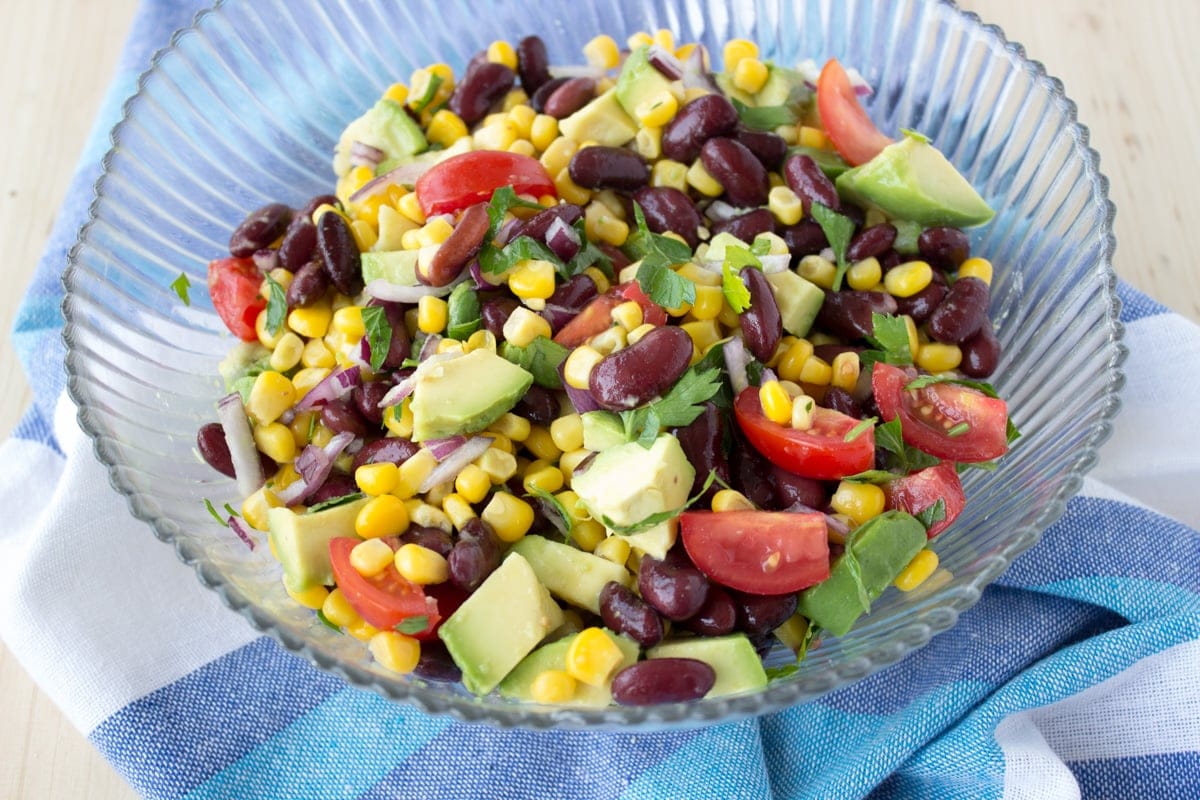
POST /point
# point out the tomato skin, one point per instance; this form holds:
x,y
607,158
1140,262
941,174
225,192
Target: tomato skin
x,y
922,489
846,122
384,600
758,552
821,452
986,435
464,180
596,317
233,285
652,312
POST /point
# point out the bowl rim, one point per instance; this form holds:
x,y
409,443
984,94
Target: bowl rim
x,y
911,635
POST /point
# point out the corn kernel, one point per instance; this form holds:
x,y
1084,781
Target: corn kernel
x,y
588,534
938,357
371,557
914,338
458,509
523,326
384,515
326,208
316,355
429,516
498,135
421,565
446,128
664,39
377,479
271,395
501,52
397,93
472,483
639,39
816,371
364,234
699,179
362,630
265,337
414,470
502,442
432,314
567,432
737,49
817,269
600,224
776,403
533,277
907,279
395,651
698,274
863,275
601,51
657,111
254,507
731,500
704,334
543,132
312,597
858,501
450,346
648,143
276,441
628,315
570,460
514,427
846,368
398,420
480,340
638,333
541,444
548,478
802,412
614,549
337,609
812,137
312,321
750,75
411,208
918,570
668,173
784,205
508,515
592,657
287,352
498,465
598,278
979,268
349,322
610,340
552,686
579,364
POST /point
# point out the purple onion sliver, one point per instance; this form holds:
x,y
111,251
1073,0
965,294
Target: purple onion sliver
x,y
238,435
242,530
362,154
429,347
735,362
397,393
454,463
444,447
666,63
405,174
562,239
334,386
266,259
294,492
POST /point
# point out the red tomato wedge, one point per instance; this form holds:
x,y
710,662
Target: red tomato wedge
x,y
595,318
652,312
946,420
821,452
759,552
233,285
384,600
464,180
846,122
921,490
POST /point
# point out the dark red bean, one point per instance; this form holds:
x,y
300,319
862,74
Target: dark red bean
x,y
435,664
310,207
810,184
567,98
537,226
624,612
668,209
920,305
495,311
600,167
538,98
700,120
472,560
752,475
259,229
575,293
308,285
479,89
961,313
334,486
663,680
366,400
791,488
340,417
981,353
477,61
769,148
737,170
539,405
717,617
805,238
618,258
944,248
829,351
672,586
842,401
459,248
299,243
763,613
635,375
848,313
871,242
435,539
747,226
210,441
890,259
339,253
703,442
533,63
391,449
762,326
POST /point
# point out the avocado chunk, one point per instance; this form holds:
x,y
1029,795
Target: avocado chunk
x,y
602,120
639,81
301,541
911,179
718,246
465,394
883,546
799,301
784,87
570,573
385,126
602,430
732,657
394,266
519,683
656,540
626,484
500,624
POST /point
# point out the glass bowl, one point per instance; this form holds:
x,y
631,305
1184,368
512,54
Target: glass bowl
x,y
243,108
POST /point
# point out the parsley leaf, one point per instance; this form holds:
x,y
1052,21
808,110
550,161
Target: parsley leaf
x,y
659,253
589,255
493,260
838,230
539,358
413,625
335,501
850,559
276,306
928,380
212,510
325,621
1011,432
503,199
379,334
900,456
229,510
181,286
859,429
464,312
431,88
875,476
555,512
736,293
933,514
890,340
678,407
911,134
764,118
958,430
662,516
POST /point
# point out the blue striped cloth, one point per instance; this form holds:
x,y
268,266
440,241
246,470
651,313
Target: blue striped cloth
x,y
1074,675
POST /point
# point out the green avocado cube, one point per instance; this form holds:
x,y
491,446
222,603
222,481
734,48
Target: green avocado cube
x,y
570,573
301,541
465,394
732,657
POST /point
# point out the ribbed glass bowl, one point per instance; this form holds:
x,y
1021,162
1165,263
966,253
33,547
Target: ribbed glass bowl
x,y
243,108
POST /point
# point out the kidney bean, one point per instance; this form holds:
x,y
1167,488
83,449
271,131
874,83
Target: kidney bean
x,y
537,226
737,170
891,258
703,444
259,229
840,400
663,680
435,664
828,352
752,475
533,63
762,326
698,121
539,405
479,89
810,184
668,209
537,99
459,248
961,313
572,95
618,258
334,486
944,248
717,617
299,243
475,556
210,441
805,238
339,253
791,488
762,613
310,207
308,285
624,612
637,374
435,539
600,167
672,586
391,449
980,353
477,61
848,313
920,305
872,241
769,148
747,226
366,400
495,311
341,418
574,293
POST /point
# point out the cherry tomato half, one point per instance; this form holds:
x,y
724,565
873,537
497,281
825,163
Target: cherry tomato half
x,y
946,420
759,552
385,600
596,317
821,452
464,180
916,492
847,124
233,285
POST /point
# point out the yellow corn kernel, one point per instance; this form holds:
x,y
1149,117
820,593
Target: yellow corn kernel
x,y
863,275
938,357
458,509
918,570
438,494
337,609
501,52
371,557
316,355
648,143
523,326
802,412
533,277
976,268
546,478
287,352
784,205
579,364
414,470
398,420
450,346
598,278
522,147
514,427
395,651
498,135
816,371
610,340
311,322
384,515
552,686
502,442
628,315
362,630
521,117
515,98
435,231
750,75
905,280
567,432
254,508
614,549
588,534
914,338
472,483
639,39
846,368
543,131
737,49
325,208
271,395
776,403
668,173
699,179
411,208
602,51
509,516
302,424
364,234
664,39
592,657
541,444
397,93
265,337
698,274
858,501
480,340
498,465
420,564
276,441
430,516
657,111
704,333
313,597
570,460
812,137
558,153
411,239
349,322
638,333
446,128
432,314
602,225
731,500
377,479
817,269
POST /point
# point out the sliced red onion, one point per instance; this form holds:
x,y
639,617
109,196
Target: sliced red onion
x,y
238,435
812,72
395,293
335,386
666,63
266,259
562,239
428,357
362,354
577,71
768,374
364,155
397,393
454,463
837,526
294,492
551,512
444,447
314,465
238,526
735,362
429,347
861,87
720,211
403,175
509,230
695,72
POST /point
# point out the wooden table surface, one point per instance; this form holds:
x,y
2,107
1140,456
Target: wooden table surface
x,y
1129,67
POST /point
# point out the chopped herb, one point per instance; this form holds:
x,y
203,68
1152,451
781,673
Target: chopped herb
x,y
859,429
379,334
850,559
464,312
335,501
494,261
589,255
839,229
933,514
410,363
540,358
764,118
565,523
325,621
276,306
181,286
212,510
875,476
761,246
413,625
229,510
678,407
958,430
929,380
655,274
312,426
754,372
662,516
736,293
1011,433
900,456
911,134
986,466
431,88
889,338
503,199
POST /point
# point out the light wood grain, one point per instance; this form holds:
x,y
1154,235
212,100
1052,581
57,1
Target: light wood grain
x,y
1130,68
